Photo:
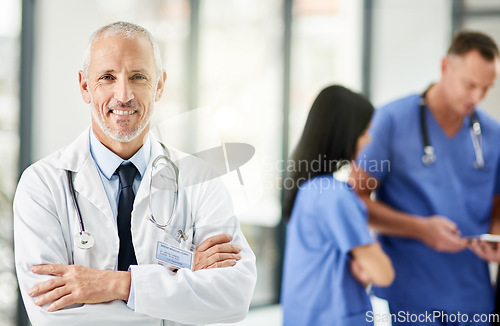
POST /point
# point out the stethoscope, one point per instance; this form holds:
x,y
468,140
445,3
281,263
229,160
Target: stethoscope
x,y
165,170
429,156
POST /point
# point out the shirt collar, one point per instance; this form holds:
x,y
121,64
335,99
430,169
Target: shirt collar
x,y
107,161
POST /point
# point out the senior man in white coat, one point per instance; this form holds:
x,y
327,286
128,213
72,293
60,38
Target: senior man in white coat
x,y
63,284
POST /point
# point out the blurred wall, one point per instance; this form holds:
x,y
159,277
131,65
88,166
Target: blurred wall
x,y
411,37
409,40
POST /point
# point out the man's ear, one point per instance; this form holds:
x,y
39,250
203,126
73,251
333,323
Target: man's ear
x,y
161,85
84,87
445,62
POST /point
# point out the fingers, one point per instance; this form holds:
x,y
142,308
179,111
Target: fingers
x,y
456,240
443,235
46,286
358,273
215,257
355,268
449,225
78,284
62,302
215,240
52,295
485,250
452,242
221,264
55,291
50,269
222,248
221,260
52,289
478,249
216,252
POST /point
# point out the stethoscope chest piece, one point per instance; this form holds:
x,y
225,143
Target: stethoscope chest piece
x,y
429,157
84,240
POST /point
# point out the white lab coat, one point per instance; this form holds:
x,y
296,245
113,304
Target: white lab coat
x,y
45,223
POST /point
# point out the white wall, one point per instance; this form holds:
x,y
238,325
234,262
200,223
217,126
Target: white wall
x,y
59,113
409,40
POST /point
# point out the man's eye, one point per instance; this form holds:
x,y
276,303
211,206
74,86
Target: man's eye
x,y
138,77
106,77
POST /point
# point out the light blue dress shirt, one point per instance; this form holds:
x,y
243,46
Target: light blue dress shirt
x,y
107,162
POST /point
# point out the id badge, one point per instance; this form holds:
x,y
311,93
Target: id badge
x,y
175,250
173,257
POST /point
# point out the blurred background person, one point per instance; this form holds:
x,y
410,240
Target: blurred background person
x,y
439,184
327,232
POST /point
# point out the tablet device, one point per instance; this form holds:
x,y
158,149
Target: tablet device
x,y
486,237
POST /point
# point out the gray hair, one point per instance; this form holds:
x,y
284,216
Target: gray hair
x,y
127,30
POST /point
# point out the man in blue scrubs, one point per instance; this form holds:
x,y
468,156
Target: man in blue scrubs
x,y
424,211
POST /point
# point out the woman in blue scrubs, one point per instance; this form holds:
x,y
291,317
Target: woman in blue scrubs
x,y
329,250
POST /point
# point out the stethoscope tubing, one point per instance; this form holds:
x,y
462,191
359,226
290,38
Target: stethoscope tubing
x,y
176,191
75,203
429,156
85,240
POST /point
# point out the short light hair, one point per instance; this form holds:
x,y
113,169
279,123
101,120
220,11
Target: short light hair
x,y
127,30
465,41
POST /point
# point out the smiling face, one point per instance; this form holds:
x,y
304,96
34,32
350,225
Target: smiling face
x,y
121,87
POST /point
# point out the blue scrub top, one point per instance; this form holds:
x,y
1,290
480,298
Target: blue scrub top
x,y
327,221
450,187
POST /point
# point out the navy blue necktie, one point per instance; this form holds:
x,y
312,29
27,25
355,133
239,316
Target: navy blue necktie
x,y
126,255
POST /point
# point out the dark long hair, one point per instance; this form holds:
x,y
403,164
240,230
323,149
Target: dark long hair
x,y
336,120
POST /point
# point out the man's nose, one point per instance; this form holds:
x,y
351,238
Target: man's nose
x,y
477,95
123,91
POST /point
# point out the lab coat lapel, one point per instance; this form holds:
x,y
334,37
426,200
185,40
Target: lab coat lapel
x,y
87,182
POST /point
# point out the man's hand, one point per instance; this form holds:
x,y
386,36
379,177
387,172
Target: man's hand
x,y
216,252
442,234
78,284
489,251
